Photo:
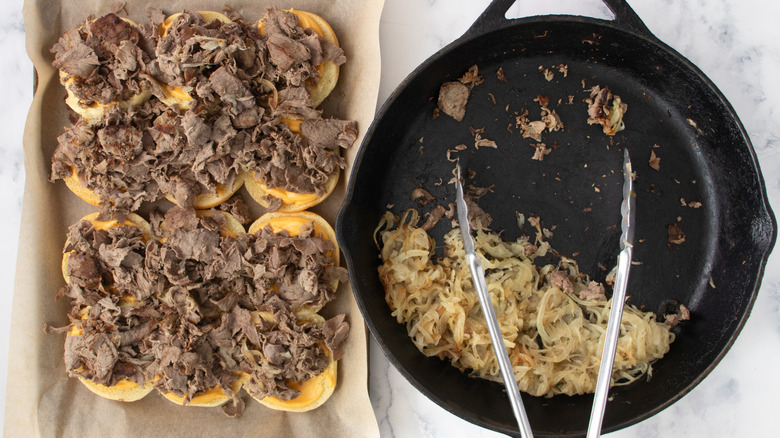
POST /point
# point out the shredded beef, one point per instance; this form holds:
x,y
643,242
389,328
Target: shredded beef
x,y
336,331
115,159
295,102
73,56
144,153
298,267
230,89
674,313
561,280
302,164
102,61
109,345
237,207
293,52
478,218
433,217
594,291
283,274
192,48
292,351
675,234
186,307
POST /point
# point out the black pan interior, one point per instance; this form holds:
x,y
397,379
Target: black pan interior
x,y
673,111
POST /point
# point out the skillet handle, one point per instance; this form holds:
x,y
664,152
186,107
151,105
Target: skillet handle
x,y
494,17
626,18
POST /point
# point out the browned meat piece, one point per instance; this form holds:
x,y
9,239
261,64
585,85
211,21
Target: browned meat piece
x,y
453,96
675,234
606,109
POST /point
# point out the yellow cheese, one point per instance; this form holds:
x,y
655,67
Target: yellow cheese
x,y
304,21
121,385
314,392
125,384
311,391
204,398
179,93
293,124
289,197
293,225
75,331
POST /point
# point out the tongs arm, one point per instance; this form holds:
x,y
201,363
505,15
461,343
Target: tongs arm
x,y
496,338
627,213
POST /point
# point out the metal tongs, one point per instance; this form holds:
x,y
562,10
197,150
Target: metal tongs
x,y
618,299
478,276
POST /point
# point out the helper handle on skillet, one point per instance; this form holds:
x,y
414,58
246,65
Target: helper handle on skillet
x,y
494,18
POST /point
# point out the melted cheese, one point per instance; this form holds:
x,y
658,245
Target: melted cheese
x,y
175,95
311,391
293,124
104,225
178,92
224,232
293,225
306,22
203,398
125,384
69,81
288,197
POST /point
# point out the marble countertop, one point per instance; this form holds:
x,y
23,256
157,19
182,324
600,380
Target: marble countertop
x,y
735,42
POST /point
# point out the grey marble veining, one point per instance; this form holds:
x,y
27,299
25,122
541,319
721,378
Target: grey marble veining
x,y
16,73
735,43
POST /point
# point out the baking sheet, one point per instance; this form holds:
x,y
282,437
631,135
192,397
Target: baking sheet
x,y
41,399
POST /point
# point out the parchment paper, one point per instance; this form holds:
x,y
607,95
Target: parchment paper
x,y
41,399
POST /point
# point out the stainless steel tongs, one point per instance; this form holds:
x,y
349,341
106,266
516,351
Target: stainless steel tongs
x,y
478,276
618,298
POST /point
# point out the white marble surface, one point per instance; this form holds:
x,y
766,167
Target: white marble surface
x,y
735,42
16,76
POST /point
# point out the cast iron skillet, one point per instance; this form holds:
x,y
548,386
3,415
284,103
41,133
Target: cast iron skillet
x,y
673,110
